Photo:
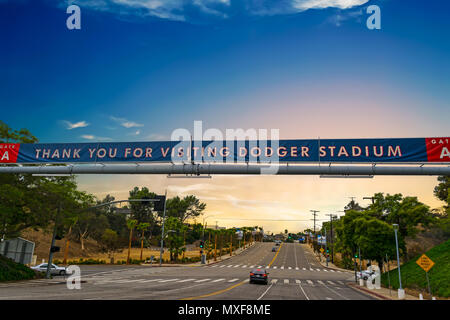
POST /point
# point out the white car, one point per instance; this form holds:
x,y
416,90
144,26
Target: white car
x,y
54,269
365,274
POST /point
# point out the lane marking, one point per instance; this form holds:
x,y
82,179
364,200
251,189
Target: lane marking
x,y
222,266
251,266
168,280
151,280
244,266
265,292
185,280
298,281
341,283
202,280
304,269
237,265
331,270
317,269
217,292
296,268
274,280
320,281
310,282
307,298
233,280
229,266
276,254
335,292
330,282
286,281
217,280
282,267
274,267
325,270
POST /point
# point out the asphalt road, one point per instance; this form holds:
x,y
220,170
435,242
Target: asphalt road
x,y
294,273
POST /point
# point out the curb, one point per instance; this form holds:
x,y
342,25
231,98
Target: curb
x,y
359,288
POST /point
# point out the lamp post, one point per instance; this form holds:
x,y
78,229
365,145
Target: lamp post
x,y
401,292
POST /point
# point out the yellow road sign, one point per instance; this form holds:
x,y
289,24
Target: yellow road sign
x,y
321,250
425,263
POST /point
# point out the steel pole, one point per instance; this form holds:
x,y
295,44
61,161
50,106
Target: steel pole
x,y
398,260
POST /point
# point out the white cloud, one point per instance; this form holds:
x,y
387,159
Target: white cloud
x,y
184,10
69,125
92,137
126,123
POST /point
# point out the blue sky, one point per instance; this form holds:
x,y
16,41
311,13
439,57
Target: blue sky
x,y
139,69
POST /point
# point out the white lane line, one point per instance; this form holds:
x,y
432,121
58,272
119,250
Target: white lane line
x,y
237,265
168,280
335,292
325,270
296,268
317,269
274,280
202,280
341,282
289,268
304,269
185,280
229,266
320,281
339,271
217,280
264,293
331,270
307,298
282,267
213,266
328,298
286,281
151,280
330,282
298,281
127,281
244,266
221,266
259,267
310,282
251,266
233,280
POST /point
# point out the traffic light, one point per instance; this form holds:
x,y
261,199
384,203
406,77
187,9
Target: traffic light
x,y
328,250
55,249
159,205
356,255
202,244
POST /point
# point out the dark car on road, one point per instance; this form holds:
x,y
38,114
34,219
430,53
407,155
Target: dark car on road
x,y
259,275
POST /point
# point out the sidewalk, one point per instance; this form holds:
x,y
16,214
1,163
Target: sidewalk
x,y
323,262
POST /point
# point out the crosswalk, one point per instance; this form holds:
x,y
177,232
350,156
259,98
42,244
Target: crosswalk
x,y
32,283
308,282
272,267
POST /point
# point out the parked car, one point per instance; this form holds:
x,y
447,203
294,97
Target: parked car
x,y
365,274
54,269
259,275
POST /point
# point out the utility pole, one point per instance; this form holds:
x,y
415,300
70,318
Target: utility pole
x,y
401,292
162,232
314,234
331,236
326,246
50,255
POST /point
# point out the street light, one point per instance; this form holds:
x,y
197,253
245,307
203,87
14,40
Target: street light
x,y
401,292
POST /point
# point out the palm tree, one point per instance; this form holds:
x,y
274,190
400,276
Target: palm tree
x,y
142,227
131,224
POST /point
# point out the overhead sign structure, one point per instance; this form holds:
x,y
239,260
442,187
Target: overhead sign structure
x,y
403,150
425,263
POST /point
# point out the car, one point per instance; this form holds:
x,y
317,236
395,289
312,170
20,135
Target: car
x,y
259,275
365,274
274,249
54,270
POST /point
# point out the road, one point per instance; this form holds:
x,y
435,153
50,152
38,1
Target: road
x,y
294,273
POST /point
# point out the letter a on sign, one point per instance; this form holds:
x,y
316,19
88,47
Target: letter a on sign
x,y
374,21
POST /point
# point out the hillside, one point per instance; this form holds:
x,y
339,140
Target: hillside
x,y
413,277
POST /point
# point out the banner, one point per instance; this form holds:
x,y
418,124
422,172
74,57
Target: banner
x,y
406,150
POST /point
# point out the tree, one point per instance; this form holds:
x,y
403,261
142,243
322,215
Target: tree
x,y
110,243
142,211
184,209
441,191
142,227
352,205
175,239
376,239
131,224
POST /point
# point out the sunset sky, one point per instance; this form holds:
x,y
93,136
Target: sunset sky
x,y
139,69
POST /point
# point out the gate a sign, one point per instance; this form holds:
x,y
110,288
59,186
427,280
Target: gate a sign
x,y
425,263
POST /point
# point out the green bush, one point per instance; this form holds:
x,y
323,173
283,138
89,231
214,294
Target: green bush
x,y
10,270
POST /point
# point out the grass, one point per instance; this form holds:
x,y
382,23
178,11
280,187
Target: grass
x,y
414,277
12,271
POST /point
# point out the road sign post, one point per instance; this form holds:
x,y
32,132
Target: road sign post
x,y
426,264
